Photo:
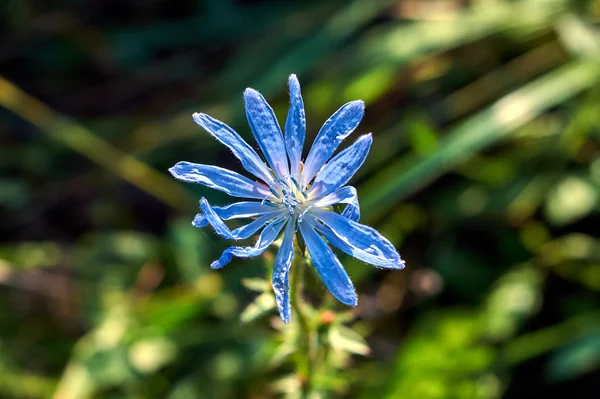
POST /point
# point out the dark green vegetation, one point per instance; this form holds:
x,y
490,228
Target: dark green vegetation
x,y
485,174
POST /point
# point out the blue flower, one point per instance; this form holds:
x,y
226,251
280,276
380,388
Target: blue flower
x,y
294,196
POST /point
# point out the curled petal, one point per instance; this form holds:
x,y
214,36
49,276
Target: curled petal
x,y
200,221
228,137
352,210
295,126
214,220
266,238
222,179
357,240
345,195
342,167
333,132
281,271
266,130
329,267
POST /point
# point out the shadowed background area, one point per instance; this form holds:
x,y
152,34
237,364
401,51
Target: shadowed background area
x,y
484,173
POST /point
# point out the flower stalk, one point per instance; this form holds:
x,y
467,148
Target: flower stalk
x,y
306,325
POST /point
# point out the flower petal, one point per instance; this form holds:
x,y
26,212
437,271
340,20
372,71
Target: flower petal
x,y
295,126
227,136
214,220
240,233
357,240
245,209
352,210
329,267
336,129
266,238
344,195
237,210
200,221
246,231
342,167
225,180
266,130
281,272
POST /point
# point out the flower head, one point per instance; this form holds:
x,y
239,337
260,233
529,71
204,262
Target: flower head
x,y
295,196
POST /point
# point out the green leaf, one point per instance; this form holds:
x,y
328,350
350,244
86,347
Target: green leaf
x,y
345,339
515,297
149,355
257,284
263,304
570,200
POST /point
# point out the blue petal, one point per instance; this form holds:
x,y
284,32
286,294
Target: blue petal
x,y
200,221
329,267
227,136
352,210
295,126
267,132
237,210
357,240
266,238
246,231
342,167
245,209
336,129
214,220
281,271
225,180
240,233
345,195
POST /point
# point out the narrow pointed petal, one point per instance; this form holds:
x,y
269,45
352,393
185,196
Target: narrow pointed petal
x,y
242,232
333,132
281,272
228,137
342,167
329,267
295,126
266,238
248,230
266,130
345,195
245,209
358,253
225,180
237,210
357,240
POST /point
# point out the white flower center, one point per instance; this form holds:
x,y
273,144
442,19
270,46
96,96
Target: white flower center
x,y
288,193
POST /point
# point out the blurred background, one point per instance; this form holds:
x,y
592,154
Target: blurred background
x,y
484,172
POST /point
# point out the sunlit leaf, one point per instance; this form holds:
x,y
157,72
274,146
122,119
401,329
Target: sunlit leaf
x,y
263,304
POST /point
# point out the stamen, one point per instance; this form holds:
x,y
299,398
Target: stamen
x,y
274,193
293,179
266,202
289,192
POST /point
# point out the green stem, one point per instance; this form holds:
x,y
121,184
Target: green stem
x,y
305,360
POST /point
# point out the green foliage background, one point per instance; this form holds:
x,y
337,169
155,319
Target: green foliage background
x,y
484,172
